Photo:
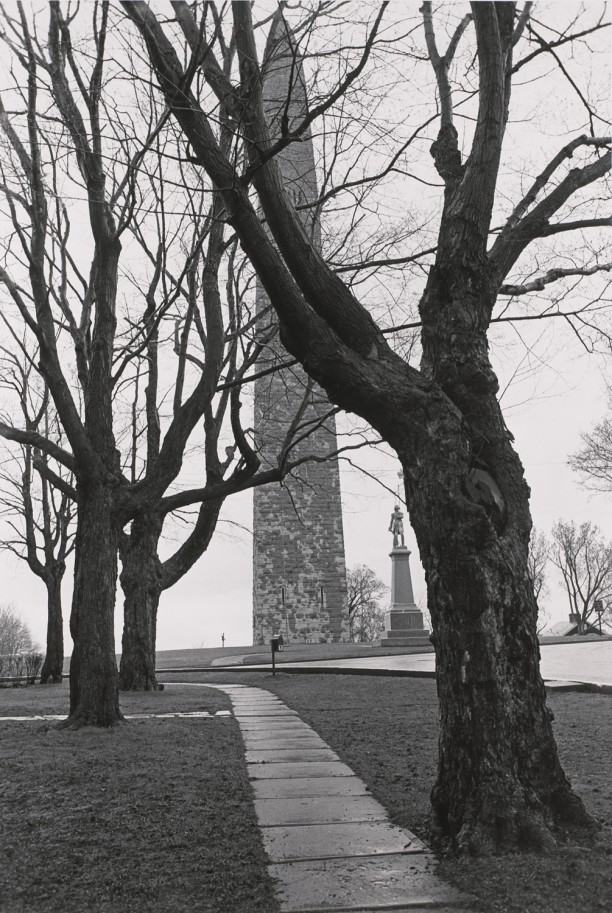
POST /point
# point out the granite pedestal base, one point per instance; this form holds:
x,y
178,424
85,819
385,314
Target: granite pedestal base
x,y
404,621
404,628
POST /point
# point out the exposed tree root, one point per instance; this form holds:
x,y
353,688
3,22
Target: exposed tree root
x,y
81,720
492,825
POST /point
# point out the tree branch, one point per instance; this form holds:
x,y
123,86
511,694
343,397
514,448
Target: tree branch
x,y
56,480
577,225
538,285
547,45
38,440
325,292
297,132
441,64
543,178
522,228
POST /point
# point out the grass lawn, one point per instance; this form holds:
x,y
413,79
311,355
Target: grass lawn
x,y
156,815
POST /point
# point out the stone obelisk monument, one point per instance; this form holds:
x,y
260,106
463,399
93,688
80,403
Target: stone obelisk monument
x,y
299,570
404,620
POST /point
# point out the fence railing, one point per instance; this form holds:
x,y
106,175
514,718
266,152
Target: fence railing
x,y
18,668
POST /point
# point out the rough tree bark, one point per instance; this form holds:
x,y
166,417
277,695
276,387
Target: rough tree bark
x,y
94,691
53,665
500,784
144,578
141,582
499,781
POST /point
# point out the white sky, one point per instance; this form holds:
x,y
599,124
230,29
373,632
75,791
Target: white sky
x,y
564,397
215,597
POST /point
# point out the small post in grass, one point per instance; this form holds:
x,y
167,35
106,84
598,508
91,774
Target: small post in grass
x,y
599,609
276,643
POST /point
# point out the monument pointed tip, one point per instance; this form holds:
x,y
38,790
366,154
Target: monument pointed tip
x,y
282,62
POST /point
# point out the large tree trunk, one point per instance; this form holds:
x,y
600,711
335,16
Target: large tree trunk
x,y
499,783
53,665
94,692
142,586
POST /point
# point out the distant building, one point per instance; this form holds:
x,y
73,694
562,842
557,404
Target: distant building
x,y
571,628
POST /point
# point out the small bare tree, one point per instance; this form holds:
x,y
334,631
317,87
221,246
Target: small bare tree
x,y
19,656
364,592
537,561
585,562
15,636
38,514
594,461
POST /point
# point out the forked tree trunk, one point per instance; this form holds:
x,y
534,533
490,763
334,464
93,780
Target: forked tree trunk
x,y
94,692
141,584
500,783
53,665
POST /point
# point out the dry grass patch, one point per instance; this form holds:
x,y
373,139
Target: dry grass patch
x,y
153,815
41,700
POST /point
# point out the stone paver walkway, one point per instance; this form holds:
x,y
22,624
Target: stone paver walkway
x,y
331,845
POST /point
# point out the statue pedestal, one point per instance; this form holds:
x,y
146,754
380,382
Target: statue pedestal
x,y
403,621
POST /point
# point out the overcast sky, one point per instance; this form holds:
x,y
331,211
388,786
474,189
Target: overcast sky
x,y
560,394
215,597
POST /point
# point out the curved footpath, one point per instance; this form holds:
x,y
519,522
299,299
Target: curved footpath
x,y
330,844
568,666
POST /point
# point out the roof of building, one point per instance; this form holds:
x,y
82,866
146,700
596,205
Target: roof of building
x,y
568,628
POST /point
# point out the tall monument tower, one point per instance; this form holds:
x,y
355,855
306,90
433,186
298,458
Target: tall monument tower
x,y
299,570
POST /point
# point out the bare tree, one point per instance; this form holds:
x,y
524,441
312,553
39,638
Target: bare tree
x,y
39,515
225,354
55,285
594,461
94,356
500,782
54,294
364,592
585,561
15,636
537,561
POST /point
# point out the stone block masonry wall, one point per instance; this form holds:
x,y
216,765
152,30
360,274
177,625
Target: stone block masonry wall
x,y
298,559
299,570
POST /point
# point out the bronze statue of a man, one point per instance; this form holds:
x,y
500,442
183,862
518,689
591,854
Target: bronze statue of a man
x,y
397,527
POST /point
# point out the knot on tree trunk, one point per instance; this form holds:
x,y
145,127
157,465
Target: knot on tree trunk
x,y
446,155
482,489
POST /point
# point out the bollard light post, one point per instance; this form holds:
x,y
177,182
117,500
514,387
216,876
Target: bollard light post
x,y
276,643
599,610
